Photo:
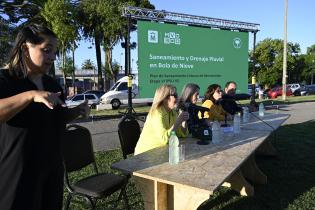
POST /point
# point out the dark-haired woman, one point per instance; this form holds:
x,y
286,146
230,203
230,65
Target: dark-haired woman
x,y
32,119
211,101
190,94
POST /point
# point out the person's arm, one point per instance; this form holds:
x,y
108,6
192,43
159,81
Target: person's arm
x,y
180,124
11,106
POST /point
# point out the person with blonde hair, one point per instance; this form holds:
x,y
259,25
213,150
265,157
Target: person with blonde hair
x,y
161,120
33,119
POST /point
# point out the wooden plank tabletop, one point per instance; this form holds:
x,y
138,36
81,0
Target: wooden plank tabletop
x,y
205,167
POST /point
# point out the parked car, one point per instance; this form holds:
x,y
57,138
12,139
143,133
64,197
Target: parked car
x,y
250,89
77,99
308,90
98,93
277,91
295,88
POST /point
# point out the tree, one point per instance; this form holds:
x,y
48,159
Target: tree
x,y
23,11
88,65
90,23
269,60
311,50
59,14
6,40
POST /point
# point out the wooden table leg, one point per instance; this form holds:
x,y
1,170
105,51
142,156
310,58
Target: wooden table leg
x,y
251,171
188,198
161,196
154,193
266,149
238,183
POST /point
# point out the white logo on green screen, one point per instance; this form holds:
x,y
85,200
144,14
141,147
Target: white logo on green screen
x,y
171,38
153,36
237,43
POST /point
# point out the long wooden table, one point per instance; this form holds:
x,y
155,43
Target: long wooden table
x,y
206,167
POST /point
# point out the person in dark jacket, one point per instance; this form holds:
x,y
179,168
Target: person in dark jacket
x,y
33,118
228,100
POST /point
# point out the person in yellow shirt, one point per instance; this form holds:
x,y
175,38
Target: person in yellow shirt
x,y
161,120
211,101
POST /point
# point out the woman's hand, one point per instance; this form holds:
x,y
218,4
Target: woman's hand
x,y
50,99
181,119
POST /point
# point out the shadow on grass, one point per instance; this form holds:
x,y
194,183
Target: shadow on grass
x,y
291,175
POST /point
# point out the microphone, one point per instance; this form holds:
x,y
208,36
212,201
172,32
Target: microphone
x,y
190,106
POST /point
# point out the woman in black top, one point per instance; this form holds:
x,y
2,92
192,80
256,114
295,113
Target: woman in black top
x,y
33,117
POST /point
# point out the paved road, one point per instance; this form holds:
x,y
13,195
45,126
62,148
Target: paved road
x,y
104,133
105,136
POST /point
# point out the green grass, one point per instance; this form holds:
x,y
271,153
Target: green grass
x,y
291,177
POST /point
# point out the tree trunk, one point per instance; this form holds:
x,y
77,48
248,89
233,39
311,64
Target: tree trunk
x,y
63,69
73,73
99,61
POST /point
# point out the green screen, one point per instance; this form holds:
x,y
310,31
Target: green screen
x,y
178,54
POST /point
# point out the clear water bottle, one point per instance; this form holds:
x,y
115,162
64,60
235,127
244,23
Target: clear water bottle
x,y
245,114
173,148
216,132
237,123
261,110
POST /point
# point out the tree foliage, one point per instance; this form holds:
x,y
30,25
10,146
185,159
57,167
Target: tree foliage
x,y
6,39
88,65
269,60
60,15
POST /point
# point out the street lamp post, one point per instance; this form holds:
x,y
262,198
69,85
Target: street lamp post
x,y
312,72
284,73
121,61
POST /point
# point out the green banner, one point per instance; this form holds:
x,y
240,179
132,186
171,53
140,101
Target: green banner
x,y
178,54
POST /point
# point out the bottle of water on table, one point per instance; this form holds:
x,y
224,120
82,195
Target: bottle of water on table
x,y
261,110
237,123
216,132
245,114
173,146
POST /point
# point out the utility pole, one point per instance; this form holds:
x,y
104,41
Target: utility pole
x,y
312,72
284,74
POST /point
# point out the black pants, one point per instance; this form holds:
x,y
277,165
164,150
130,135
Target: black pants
x,y
33,189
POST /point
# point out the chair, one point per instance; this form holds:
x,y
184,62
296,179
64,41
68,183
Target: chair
x,y
129,133
77,154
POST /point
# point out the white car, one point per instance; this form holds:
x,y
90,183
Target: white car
x,y
294,87
77,99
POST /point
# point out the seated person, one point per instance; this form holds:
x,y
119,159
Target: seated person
x,y
228,99
161,120
190,94
211,101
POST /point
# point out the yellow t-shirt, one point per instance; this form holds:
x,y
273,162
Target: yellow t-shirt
x,y
216,111
157,130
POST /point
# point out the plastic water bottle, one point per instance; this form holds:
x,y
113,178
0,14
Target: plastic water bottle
x,y
173,148
261,110
237,123
216,132
245,114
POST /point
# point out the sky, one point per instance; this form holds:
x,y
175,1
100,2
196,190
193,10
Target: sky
x,y
268,13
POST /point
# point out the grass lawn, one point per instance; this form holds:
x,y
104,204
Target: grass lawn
x,y
291,176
